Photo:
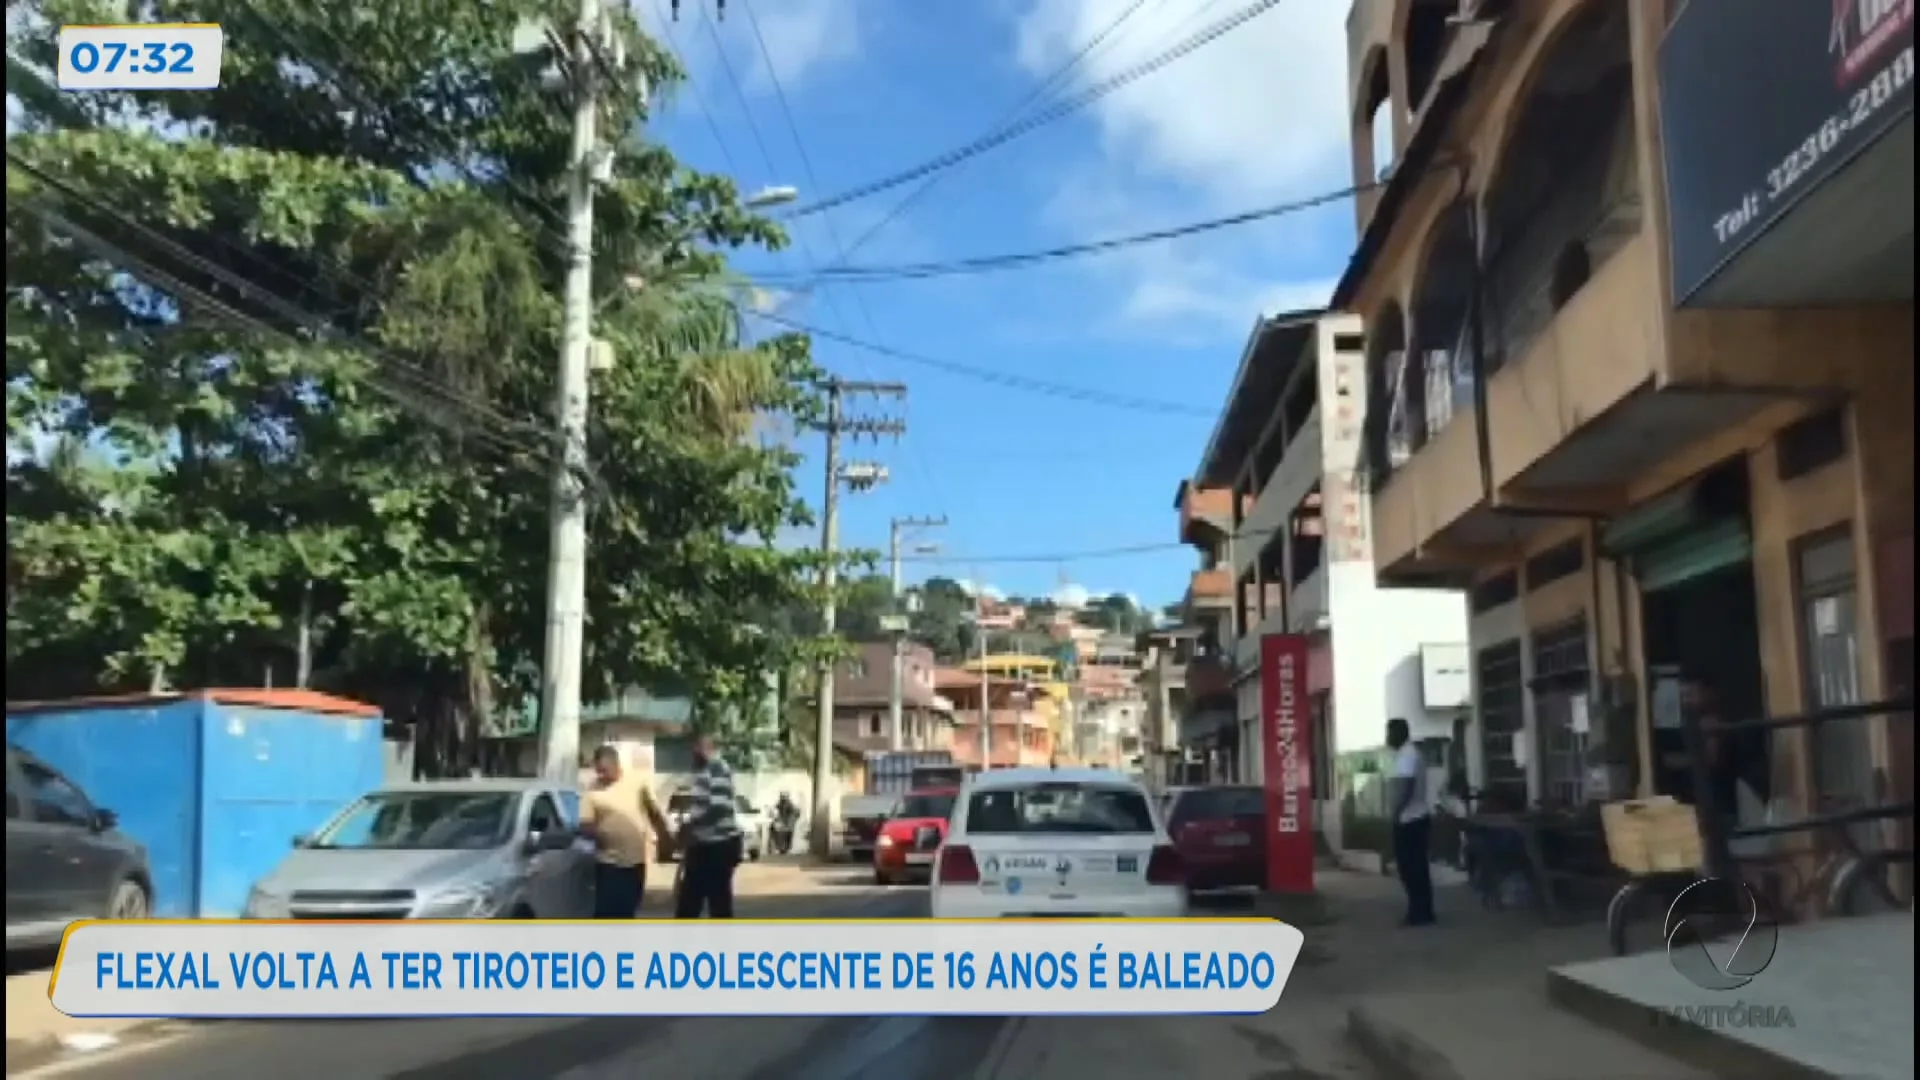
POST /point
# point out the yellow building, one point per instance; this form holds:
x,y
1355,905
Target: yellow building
x,y
1052,698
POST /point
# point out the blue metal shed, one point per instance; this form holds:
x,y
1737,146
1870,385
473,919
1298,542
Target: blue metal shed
x,y
214,783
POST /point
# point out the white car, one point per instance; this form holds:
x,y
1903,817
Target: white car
x,y
1065,843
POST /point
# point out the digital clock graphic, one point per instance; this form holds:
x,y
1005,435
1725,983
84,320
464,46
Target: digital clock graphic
x,y
158,56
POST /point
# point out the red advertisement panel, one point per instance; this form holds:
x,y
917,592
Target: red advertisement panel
x,y
1286,734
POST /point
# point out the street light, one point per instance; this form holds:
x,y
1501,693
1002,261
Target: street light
x,y
772,195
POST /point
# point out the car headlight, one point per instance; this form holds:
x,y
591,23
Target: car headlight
x,y
262,904
884,841
475,901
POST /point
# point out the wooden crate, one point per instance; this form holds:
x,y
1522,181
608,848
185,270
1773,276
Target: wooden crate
x,y
1652,836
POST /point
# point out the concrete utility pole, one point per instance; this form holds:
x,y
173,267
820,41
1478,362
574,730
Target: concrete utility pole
x,y
567,544
859,476
986,679
896,704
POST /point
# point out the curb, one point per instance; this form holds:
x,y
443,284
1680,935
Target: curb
x,y
1712,1052
38,1051
1395,1052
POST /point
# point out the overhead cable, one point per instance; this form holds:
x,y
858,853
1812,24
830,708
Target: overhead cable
x,y
1020,259
1198,40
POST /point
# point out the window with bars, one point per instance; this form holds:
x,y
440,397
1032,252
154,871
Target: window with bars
x,y
1830,650
1502,700
1560,687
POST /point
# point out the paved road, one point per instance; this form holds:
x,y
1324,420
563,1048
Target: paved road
x,y
880,1048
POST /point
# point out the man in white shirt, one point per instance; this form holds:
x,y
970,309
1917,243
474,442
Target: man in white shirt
x,y
1412,814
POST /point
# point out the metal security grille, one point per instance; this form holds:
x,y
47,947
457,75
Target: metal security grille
x,y
1560,671
1497,671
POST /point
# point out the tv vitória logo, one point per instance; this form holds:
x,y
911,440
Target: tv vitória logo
x,y
1720,934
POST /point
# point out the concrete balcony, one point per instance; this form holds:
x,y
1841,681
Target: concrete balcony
x,y
1208,677
1206,515
1300,468
1307,608
1210,590
1432,515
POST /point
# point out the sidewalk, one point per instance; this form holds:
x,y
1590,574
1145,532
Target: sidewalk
x,y
1465,999
38,1033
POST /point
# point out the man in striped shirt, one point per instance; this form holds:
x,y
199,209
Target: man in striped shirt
x,y
710,841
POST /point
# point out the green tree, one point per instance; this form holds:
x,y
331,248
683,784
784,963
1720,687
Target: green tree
x,y
942,621
279,369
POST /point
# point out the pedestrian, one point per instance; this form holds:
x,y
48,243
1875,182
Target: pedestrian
x,y
621,816
1411,811
710,841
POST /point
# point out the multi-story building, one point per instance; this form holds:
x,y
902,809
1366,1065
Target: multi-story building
x,y
1283,462
1639,355
863,698
1018,730
1163,687
1208,738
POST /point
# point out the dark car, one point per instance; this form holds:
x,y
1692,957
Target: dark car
x,y
1219,833
66,860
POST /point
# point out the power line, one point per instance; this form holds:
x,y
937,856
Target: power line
x,y
1036,121
1007,379
188,295
933,180
833,235
1116,552
1018,260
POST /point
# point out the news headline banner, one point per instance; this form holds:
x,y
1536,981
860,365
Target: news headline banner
x,y
270,970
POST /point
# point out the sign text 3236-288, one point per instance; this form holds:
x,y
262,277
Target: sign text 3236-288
x,y
1783,179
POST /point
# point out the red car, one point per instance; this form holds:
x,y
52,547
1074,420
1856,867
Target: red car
x,y
1219,832
911,836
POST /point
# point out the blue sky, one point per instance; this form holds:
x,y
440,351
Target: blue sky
x,y
876,86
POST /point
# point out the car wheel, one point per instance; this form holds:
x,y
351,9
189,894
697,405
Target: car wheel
x,y
129,901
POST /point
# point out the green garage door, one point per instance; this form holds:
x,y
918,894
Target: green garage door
x,y
1694,553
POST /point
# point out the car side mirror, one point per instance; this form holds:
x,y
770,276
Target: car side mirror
x,y
104,820
549,840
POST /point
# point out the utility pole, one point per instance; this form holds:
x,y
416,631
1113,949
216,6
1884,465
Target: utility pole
x,y
858,476
896,705
567,526
986,678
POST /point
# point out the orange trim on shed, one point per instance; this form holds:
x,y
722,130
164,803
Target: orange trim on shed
x,y
291,700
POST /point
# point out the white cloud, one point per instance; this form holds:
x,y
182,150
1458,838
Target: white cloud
x,y
803,37
1256,115
972,589
1254,118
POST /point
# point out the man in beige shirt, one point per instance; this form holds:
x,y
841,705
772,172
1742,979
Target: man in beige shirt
x,y
620,814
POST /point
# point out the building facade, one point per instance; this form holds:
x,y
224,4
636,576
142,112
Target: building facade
x,y
1638,336
863,701
1292,538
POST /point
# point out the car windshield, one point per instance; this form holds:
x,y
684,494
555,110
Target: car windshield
x,y
1059,808
1213,804
927,806
423,821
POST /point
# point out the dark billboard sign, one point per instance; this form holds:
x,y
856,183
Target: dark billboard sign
x,y
1760,102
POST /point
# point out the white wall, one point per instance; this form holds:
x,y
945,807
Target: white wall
x,y
1377,637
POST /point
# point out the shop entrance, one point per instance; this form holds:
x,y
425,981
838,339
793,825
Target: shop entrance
x,y
1691,554
1701,632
